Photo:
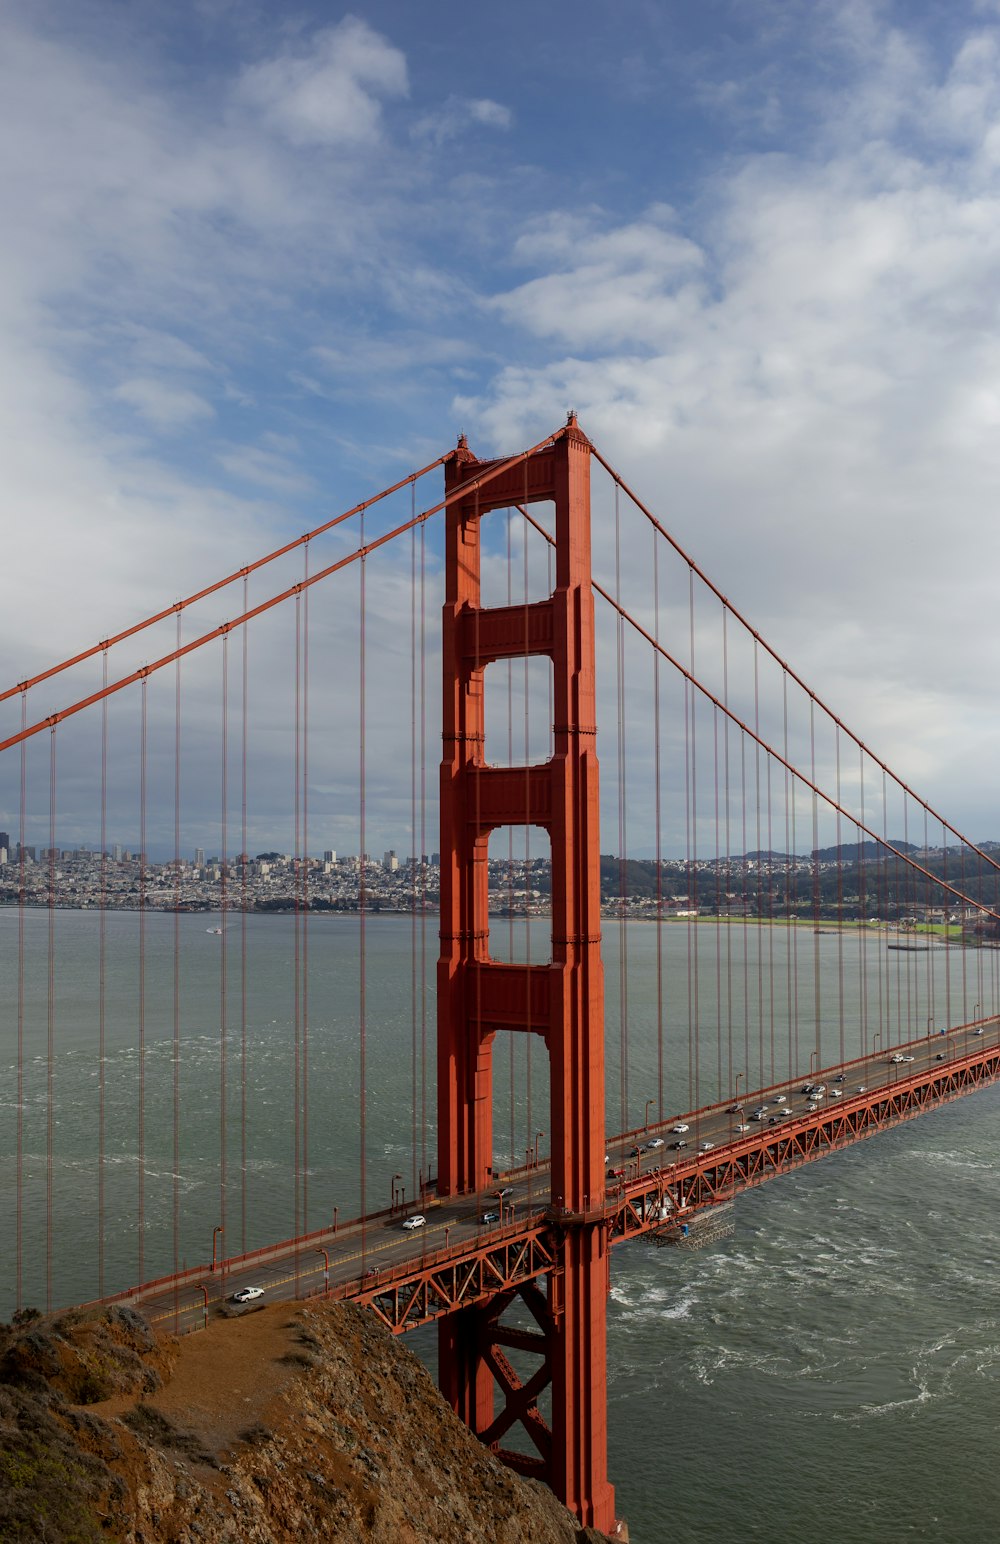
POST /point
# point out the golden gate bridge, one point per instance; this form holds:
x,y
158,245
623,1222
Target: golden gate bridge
x,y
574,620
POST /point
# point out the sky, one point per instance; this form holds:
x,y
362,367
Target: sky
x,y
259,262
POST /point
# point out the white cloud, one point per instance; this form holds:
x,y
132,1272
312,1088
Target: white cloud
x,y
805,382
328,93
266,466
166,407
457,114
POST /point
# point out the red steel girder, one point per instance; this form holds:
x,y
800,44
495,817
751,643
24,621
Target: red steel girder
x,y
644,1204
422,1291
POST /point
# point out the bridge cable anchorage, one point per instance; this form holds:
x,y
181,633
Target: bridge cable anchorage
x,y
219,584
247,616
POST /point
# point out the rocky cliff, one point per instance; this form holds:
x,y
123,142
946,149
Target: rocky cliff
x,y
293,1423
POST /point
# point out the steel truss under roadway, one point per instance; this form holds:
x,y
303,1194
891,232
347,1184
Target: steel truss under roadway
x,y
419,1292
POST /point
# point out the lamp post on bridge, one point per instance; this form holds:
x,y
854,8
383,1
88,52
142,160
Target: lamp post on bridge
x,y
813,1058
392,1204
736,1098
645,1118
215,1235
538,1138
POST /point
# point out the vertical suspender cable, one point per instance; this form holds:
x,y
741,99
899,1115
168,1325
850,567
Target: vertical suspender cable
x,y
362,898
693,951
244,903
223,957
143,770
791,1052
50,1058
717,858
841,1053
863,910
414,853
729,839
770,912
817,1026
176,1043
21,856
511,1039
657,814
745,902
757,885
423,854
622,879
529,1133
297,960
102,947
305,894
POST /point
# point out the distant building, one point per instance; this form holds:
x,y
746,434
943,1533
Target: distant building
x,y
199,857
116,852
390,862
329,856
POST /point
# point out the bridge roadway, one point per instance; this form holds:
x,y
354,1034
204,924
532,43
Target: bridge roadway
x,y
412,1276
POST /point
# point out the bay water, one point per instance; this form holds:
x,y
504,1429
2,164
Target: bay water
x,y
832,1371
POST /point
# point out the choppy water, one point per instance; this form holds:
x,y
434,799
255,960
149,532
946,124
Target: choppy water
x,y
830,1373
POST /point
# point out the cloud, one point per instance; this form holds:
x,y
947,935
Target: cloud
x,y
269,467
163,406
802,374
328,93
457,114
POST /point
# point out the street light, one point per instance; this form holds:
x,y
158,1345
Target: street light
x,y
813,1057
738,1076
215,1234
645,1119
538,1138
335,1210
392,1204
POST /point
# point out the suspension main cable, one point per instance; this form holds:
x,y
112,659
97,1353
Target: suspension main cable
x,y
494,469
806,781
220,584
783,664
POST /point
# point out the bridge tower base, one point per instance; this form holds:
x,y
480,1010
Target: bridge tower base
x,y
562,1001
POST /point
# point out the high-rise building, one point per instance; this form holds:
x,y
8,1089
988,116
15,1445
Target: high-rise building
x,y
390,862
116,853
199,857
5,839
328,857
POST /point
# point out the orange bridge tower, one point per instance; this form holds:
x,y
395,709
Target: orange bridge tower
x,y
562,1001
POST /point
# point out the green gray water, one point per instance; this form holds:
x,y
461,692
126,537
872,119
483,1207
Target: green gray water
x,y
831,1372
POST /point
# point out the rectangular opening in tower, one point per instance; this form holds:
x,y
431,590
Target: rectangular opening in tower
x,y
520,904
517,562
521,1110
517,698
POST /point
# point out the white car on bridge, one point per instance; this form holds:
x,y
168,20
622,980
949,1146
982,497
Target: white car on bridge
x,y
416,1221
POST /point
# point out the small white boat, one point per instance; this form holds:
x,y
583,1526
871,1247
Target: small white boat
x,y
213,930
